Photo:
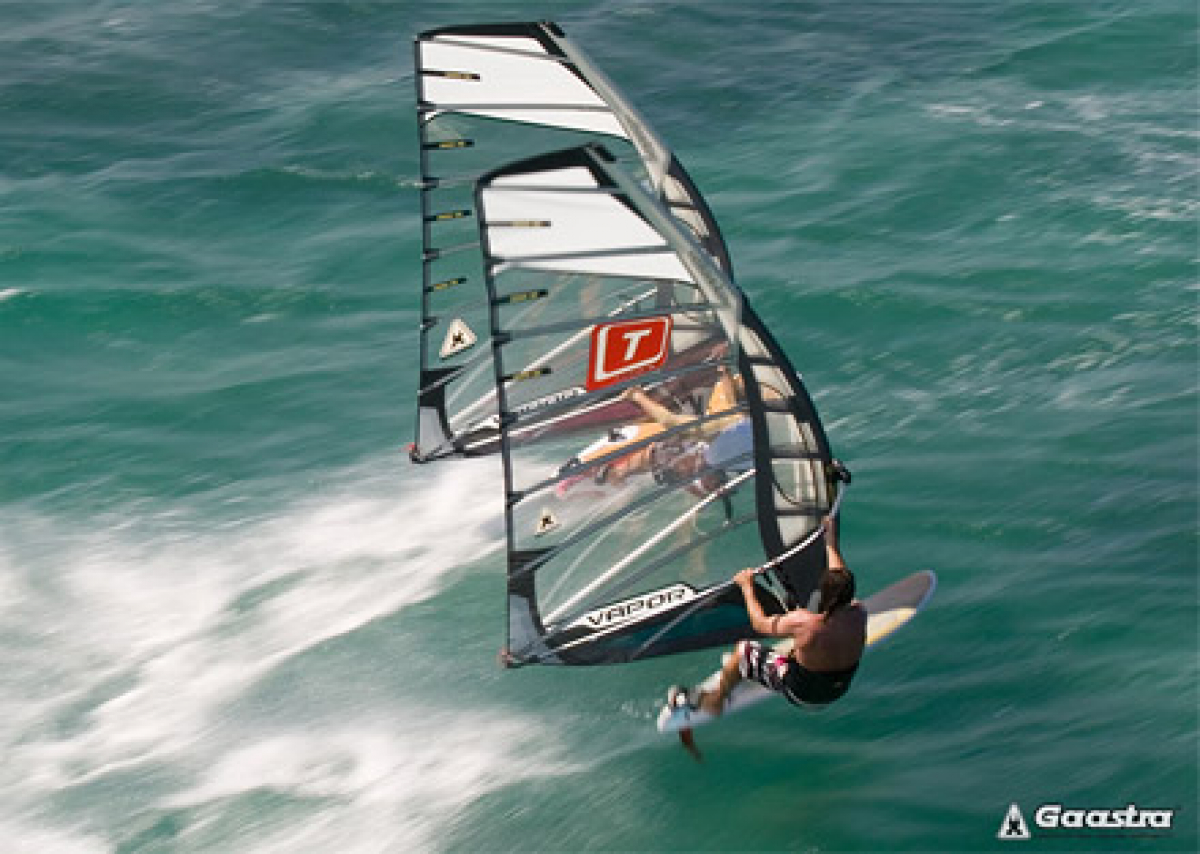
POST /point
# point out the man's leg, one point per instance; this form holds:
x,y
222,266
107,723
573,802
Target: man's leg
x,y
713,702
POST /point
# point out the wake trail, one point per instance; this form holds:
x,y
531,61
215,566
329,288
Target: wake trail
x,y
128,639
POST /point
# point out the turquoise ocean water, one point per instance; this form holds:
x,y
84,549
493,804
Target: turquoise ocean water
x,y
233,617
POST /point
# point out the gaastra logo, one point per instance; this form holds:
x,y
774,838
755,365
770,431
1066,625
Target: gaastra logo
x,y
1013,826
1053,816
626,348
459,337
1131,821
635,608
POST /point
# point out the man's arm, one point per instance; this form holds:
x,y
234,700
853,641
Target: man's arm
x,y
779,625
833,550
654,409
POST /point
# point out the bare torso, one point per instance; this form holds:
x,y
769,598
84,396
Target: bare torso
x,y
826,644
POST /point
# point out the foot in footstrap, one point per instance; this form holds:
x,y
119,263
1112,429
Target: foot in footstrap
x,y
679,700
679,697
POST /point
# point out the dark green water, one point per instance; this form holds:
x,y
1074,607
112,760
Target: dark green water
x,y
234,618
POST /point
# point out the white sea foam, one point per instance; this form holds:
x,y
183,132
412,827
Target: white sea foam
x,y
142,637
20,837
388,787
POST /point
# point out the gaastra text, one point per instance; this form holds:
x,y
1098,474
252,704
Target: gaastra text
x,y
1052,816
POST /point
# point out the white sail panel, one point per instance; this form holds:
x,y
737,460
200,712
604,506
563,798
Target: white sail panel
x,y
545,225
484,76
572,177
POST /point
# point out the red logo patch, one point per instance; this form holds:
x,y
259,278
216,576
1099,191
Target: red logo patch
x,y
627,348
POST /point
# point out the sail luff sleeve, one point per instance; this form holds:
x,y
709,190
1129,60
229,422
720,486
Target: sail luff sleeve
x,y
431,430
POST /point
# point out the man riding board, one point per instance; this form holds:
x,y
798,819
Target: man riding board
x,y
827,645
695,457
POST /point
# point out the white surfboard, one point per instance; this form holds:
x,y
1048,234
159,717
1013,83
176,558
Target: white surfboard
x,y
887,610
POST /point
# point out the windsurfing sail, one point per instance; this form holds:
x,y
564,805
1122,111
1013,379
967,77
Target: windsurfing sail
x,y
487,95
579,318
621,554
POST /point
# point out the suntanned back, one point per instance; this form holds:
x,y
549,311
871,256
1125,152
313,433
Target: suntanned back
x,y
835,642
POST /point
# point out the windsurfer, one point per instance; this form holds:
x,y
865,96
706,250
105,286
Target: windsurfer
x,y
722,399
828,644
698,457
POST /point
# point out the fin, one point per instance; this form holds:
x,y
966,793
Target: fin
x,y
689,742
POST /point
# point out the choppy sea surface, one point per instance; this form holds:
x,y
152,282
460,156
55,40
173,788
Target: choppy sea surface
x,y
233,617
